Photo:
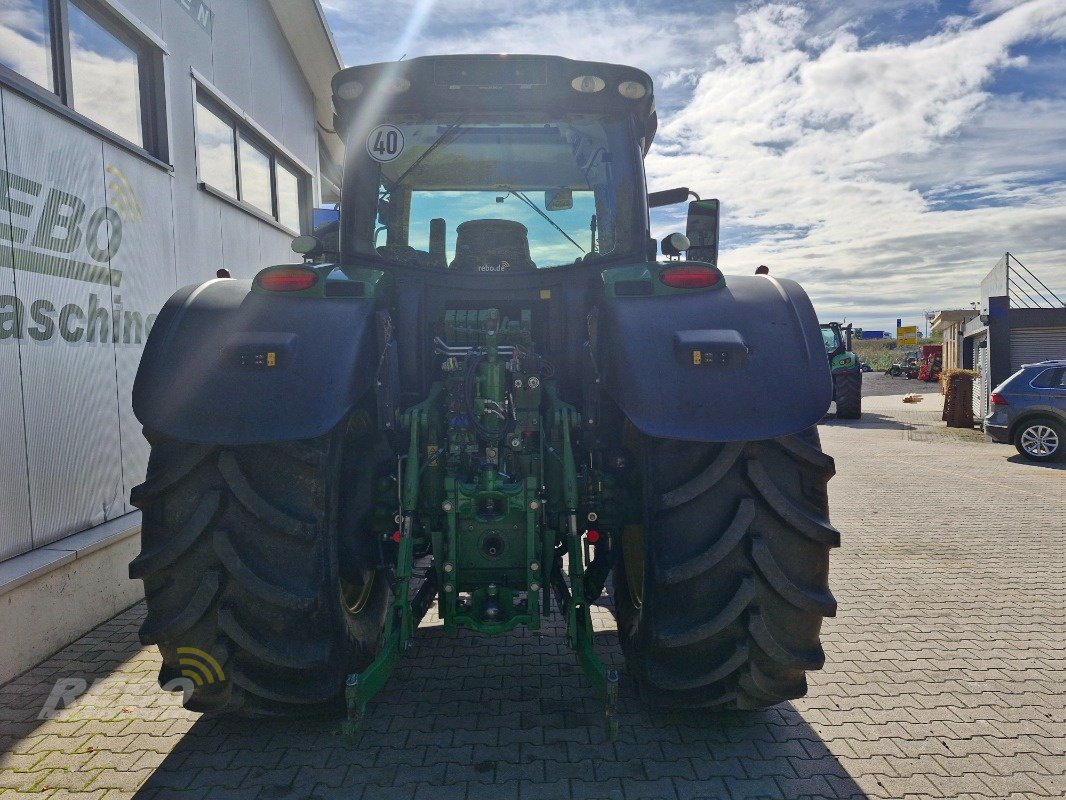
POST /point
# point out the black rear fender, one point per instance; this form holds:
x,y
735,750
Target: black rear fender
x,y
745,361
228,366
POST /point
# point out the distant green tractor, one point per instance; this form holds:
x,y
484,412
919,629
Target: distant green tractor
x,y
847,372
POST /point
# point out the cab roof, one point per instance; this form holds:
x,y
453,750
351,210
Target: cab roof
x,y
494,82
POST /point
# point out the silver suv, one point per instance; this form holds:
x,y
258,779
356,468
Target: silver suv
x,y
1028,410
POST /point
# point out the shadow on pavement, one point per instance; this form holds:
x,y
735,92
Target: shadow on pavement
x,y
472,717
1025,462
37,698
868,420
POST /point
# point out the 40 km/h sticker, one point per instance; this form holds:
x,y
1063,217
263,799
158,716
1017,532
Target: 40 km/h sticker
x,y
385,143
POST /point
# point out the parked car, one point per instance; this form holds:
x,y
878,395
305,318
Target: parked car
x,y
1028,410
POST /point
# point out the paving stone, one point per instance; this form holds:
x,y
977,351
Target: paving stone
x,y
494,791
944,676
541,790
126,779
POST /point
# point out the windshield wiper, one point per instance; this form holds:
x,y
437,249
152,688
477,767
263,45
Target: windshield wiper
x,y
546,218
437,143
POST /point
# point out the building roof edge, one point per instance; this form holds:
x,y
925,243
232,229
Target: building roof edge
x,y
309,36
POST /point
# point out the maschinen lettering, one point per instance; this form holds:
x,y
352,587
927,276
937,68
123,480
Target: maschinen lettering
x,y
93,322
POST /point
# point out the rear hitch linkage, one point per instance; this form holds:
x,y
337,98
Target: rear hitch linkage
x,y
406,612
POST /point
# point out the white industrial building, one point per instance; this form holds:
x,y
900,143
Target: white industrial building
x,y
143,146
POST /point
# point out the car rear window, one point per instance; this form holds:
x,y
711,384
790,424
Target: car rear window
x,y
1049,379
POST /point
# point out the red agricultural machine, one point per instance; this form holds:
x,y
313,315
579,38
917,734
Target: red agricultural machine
x,y
931,362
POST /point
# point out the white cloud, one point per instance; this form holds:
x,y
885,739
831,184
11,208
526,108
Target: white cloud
x,y
674,37
810,146
855,151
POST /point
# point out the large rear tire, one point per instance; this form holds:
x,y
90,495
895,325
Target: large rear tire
x,y
847,392
736,543
259,571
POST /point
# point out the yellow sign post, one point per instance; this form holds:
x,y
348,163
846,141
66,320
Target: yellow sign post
x,y
907,335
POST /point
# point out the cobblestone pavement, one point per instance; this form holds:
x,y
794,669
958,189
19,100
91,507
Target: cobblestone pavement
x,y
945,675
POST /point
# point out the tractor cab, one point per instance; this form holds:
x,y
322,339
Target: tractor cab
x,y
494,165
836,337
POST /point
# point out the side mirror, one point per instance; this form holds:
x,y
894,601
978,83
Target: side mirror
x,y
702,230
558,199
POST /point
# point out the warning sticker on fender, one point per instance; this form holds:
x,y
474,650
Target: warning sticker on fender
x,y
385,143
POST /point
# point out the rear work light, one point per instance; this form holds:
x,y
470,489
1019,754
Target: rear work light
x,y
287,279
998,399
690,276
588,84
632,90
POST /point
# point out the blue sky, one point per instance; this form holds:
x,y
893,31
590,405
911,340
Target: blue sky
x,y
883,153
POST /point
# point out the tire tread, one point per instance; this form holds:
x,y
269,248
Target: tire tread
x,y
736,573
240,560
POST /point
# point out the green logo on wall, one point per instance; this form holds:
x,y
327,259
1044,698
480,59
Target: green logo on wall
x,y
63,226
48,232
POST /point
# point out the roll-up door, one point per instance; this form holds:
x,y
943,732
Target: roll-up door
x,y
1030,345
981,386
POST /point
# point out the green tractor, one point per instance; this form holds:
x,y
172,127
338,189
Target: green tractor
x,y
846,370
487,394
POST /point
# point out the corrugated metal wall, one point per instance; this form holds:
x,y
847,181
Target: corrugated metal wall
x,y
71,337
1030,345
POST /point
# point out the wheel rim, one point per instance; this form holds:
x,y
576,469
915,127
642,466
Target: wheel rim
x,y
1040,440
633,556
355,596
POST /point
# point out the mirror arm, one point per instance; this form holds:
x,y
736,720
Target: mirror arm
x,y
668,197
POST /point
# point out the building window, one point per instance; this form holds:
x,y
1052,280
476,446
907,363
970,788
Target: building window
x,y
28,46
105,76
288,183
82,55
215,144
238,162
255,177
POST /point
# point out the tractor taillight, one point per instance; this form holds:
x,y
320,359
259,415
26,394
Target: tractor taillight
x,y
690,276
287,279
998,400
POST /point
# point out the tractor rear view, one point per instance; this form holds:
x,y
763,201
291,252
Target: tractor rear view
x,y
846,369
492,376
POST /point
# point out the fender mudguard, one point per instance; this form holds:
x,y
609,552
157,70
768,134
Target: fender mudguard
x,y
224,365
745,361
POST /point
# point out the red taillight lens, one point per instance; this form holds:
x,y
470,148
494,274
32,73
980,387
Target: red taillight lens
x,y
998,399
690,276
593,536
287,279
